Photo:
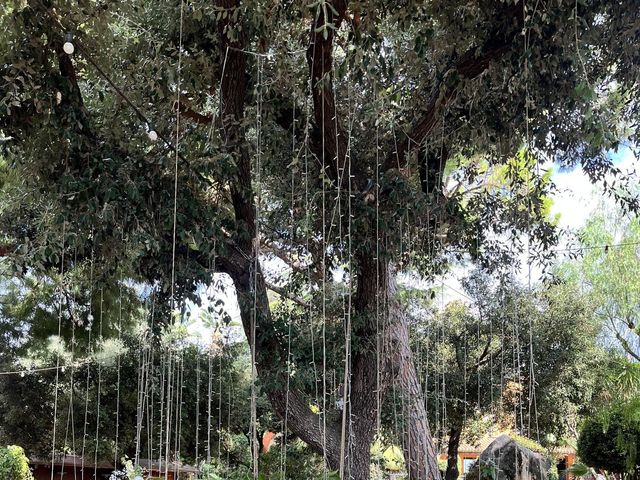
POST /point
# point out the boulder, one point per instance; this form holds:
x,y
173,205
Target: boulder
x,y
506,459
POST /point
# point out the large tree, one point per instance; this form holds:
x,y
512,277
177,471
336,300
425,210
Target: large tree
x,y
333,164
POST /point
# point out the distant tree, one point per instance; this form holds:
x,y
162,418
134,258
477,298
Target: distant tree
x,y
608,270
476,359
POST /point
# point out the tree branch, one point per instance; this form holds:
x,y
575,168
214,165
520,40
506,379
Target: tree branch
x,y
286,257
187,111
329,142
247,276
467,67
284,293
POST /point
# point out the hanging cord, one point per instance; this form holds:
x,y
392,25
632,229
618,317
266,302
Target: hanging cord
x,y
178,420
283,448
70,416
532,376
115,460
308,222
220,358
256,272
379,338
163,364
143,373
95,457
153,370
347,432
55,404
89,345
198,353
169,405
323,413
169,397
209,388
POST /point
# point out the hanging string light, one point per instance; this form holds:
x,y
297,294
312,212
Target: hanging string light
x,y
68,46
151,133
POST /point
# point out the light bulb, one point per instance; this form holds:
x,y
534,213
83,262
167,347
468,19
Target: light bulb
x,y
153,136
68,44
138,477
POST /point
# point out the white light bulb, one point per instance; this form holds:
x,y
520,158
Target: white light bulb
x,y
68,48
138,477
153,136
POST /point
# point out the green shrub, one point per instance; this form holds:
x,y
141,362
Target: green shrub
x,y
610,442
14,464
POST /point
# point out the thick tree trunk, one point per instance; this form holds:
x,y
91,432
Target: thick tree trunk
x,y
420,452
363,411
452,453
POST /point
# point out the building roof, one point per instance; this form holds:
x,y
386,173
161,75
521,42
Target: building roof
x,y
479,447
71,461
75,461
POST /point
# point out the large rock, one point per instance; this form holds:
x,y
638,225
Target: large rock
x,y
506,459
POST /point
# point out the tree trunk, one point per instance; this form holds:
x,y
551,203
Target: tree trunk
x,y
255,313
452,453
420,452
363,413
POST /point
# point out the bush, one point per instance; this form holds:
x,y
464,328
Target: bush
x,y
610,442
14,464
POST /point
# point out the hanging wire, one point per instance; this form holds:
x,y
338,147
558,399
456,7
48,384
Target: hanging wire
x,y
70,414
152,383
197,434
90,348
95,456
256,271
283,449
118,360
55,404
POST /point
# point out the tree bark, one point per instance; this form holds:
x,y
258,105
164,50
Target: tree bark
x,y
452,453
420,453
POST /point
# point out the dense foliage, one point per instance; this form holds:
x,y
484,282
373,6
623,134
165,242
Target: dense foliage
x,y
14,464
412,134
504,357
611,442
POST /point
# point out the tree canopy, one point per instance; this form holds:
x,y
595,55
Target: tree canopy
x,y
365,138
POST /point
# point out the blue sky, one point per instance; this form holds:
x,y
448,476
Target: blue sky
x,y
577,197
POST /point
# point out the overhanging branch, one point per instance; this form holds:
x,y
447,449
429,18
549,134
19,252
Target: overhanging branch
x,y
467,67
330,143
